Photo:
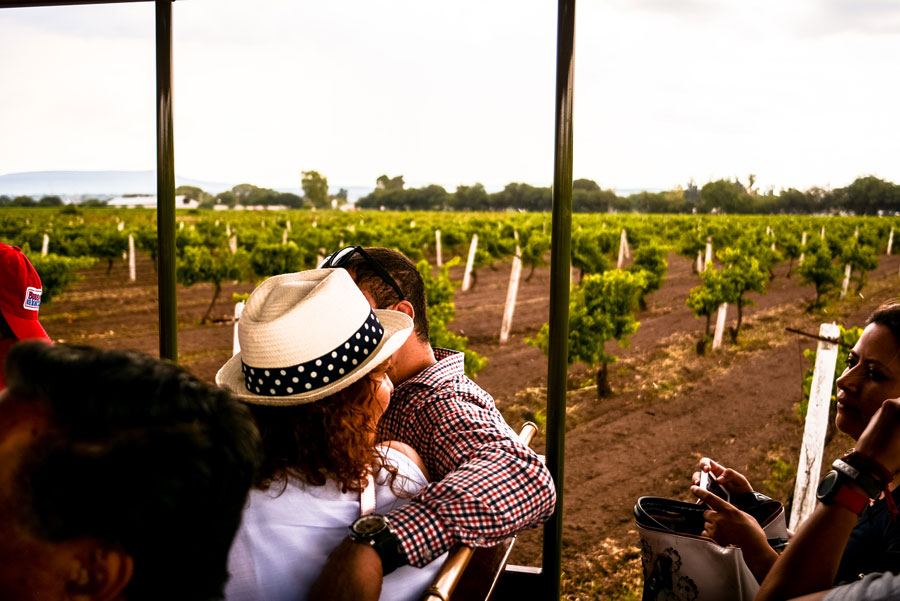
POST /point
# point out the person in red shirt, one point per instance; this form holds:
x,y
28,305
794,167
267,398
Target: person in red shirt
x,y
20,300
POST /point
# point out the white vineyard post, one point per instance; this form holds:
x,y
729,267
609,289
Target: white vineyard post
x,y
699,261
511,293
238,309
121,226
720,326
45,245
890,242
709,254
284,236
232,243
810,463
623,248
181,225
228,230
802,243
573,275
822,233
470,262
288,225
847,271
132,275
437,248
856,232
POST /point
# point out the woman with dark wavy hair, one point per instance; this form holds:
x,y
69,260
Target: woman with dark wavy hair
x,y
313,369
871,377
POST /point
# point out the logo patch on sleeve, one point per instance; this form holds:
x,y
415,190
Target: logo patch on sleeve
x,y
32,299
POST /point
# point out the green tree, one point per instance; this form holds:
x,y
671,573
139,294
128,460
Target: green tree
x,y
389,183
267,260
704,300
819,270
201,264
601,309
742,273
315,189
650,258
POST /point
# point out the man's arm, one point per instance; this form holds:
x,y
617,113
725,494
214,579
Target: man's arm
x,y
489,486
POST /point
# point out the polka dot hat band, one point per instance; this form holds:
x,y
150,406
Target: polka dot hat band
x,y
307,335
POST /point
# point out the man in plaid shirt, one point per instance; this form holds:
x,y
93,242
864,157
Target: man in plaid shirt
x,y
485,485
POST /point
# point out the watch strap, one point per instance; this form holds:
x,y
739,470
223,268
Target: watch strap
x,y
850,499
864,480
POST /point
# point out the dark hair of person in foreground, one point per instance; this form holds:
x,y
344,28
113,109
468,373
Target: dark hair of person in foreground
x,y
130,457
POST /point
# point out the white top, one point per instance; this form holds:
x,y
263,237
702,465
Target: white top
x,y
284,540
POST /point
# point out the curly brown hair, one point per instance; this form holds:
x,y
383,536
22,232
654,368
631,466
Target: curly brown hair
x,y
330,439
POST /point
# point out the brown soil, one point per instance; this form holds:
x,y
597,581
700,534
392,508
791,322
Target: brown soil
x,y
669,406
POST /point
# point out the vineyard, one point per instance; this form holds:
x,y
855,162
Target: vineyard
x,y
652,388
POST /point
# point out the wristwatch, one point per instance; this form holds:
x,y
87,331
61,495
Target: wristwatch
x,y
833,489
375,530
865,481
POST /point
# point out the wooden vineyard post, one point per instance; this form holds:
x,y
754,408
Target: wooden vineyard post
x,y
709,254
131,266
847,271
720,326
624,251
45,245
284,236
890,242
810,463
228,230
822,233
437,249
511,293
699,261
238,309
232,243
802,244
470,262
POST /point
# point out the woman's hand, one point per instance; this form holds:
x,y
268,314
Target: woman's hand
x,y
728,525
734,481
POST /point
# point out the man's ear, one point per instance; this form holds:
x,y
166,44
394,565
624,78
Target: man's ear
x,y
99,573
405,306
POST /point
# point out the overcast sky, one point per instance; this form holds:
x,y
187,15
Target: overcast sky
x,y
801,93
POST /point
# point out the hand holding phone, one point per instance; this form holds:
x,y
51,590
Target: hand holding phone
x,y
708,482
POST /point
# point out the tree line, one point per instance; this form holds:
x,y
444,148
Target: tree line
x,y
867,195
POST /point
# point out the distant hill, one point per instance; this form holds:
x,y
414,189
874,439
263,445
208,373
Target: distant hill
x,y
100,183
72,185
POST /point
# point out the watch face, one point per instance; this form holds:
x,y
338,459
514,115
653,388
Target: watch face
x,y
828,486
368,525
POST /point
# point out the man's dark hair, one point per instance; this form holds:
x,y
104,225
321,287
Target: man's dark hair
x,y
140,455
404,273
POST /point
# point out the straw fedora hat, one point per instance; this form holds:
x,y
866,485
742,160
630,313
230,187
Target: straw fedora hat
x,y
305,336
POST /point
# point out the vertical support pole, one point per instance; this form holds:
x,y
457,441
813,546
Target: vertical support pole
x,y
232,243
470,263
709,254
890,242
810,463
560,254
132,274
623,249
238,310
165,183
847,271
699,261
802,245
720,326
437,249
512,292
45,245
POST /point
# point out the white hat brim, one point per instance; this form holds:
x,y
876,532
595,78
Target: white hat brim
x,y
397,328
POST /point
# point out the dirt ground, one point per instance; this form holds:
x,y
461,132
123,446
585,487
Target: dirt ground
x,y
669,407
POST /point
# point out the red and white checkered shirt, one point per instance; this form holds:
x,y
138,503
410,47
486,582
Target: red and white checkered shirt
x,y
486,485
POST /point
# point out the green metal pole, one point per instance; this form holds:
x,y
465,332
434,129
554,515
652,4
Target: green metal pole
x,y
165,183
559,290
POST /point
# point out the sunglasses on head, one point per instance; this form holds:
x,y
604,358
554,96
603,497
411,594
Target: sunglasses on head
x,y
342,257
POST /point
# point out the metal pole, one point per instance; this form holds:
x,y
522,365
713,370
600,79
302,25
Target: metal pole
x,y
559,290
165,183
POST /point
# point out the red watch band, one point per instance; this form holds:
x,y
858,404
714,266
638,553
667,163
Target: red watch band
x,y
852,500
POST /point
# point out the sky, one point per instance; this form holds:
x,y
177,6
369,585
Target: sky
x,y
801,93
